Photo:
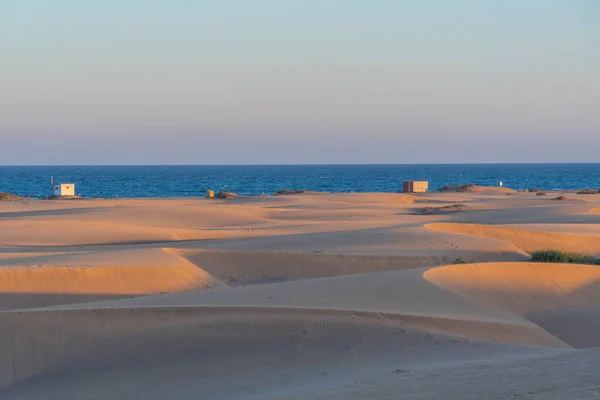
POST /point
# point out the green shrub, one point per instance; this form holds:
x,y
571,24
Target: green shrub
x,y
583,259
556,256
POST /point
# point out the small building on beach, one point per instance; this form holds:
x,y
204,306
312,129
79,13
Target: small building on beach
x,y
415,186
64,189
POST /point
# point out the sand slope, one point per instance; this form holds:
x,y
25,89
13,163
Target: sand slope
x,y
250,267
527,239
563,376
377,300
64,279
226,354
546,294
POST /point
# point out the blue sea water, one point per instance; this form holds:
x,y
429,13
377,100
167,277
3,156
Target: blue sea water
x,y
180,181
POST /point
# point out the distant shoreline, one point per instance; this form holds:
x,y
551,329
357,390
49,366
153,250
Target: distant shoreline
x,y
194,181
17,198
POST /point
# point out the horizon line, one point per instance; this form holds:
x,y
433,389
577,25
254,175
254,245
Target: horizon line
x,y
300,165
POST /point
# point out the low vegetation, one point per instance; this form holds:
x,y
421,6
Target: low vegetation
x,y
465,188
556,256
538,192
458,188
460,260
226,195
561,198
443,210
9,196
588,191
284,192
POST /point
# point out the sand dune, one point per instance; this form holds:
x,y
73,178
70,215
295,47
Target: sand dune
x,y
416,244
436,309
528,239
370,198
320,296
250,267
223,312
24,233
225,354
77,278
543,293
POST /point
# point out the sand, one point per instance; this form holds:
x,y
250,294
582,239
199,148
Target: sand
x,y
311,296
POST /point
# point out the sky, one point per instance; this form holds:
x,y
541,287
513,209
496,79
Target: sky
x,y
299,82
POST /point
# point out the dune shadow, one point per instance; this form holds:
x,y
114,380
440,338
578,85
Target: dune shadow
x,y
51,213
578,326
19,300
562,299
213,346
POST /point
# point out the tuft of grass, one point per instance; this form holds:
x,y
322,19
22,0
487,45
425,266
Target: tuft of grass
x,y
588,191
540,193
557,256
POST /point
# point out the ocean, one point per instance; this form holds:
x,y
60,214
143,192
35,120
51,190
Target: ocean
x,y
183,181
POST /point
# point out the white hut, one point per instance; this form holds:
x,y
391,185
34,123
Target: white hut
x,y
64,189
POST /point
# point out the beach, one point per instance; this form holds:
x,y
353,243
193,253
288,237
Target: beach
x,y
307,296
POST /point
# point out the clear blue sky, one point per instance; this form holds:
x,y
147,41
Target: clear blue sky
x,y
304,81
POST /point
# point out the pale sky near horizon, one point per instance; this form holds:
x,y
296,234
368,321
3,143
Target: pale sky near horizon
x,y
292,82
